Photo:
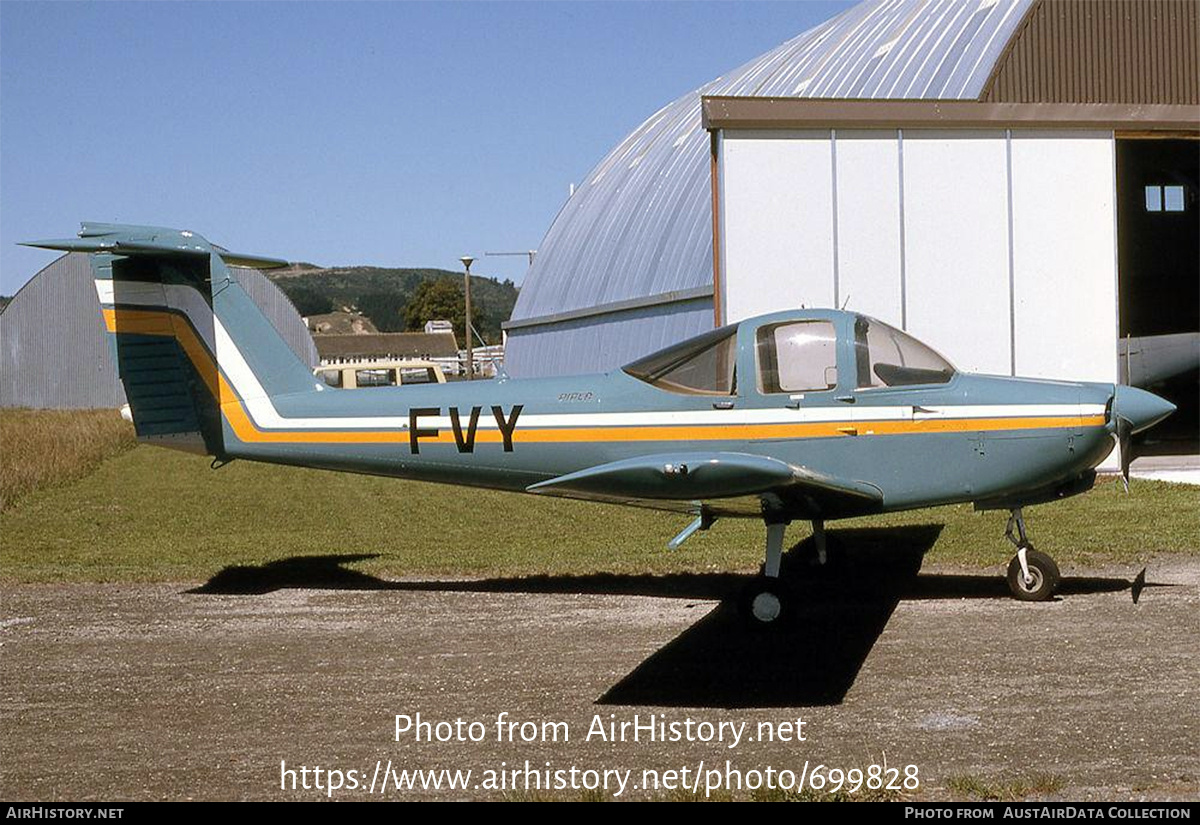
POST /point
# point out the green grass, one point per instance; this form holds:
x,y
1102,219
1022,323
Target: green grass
x,y
1004,789
43,448
1103,525
155,515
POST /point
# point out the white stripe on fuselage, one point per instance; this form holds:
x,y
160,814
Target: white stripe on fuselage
x,y
258,403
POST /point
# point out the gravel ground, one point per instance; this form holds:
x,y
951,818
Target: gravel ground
x,y
126,692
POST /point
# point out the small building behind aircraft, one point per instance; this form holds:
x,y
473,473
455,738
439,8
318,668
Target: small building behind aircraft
x,y
439,347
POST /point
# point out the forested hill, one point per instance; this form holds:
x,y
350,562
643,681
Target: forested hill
x,y
399,299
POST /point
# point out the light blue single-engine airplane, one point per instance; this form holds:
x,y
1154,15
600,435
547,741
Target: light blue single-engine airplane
x,y
807,415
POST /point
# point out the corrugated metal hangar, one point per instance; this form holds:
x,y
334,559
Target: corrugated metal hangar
x,y
54,353
1013,181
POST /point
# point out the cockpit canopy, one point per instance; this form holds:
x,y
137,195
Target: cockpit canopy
x,y
794,356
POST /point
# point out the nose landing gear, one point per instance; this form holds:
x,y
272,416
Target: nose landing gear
x,y
1032,575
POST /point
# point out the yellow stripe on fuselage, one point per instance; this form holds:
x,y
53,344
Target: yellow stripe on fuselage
x,y
156,322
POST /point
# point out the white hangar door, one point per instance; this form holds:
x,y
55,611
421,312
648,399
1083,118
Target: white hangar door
x,y
995,246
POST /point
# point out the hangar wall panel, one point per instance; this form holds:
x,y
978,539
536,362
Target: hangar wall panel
x,y
1064,269
868,229
603,342
53,348
778,222
956,246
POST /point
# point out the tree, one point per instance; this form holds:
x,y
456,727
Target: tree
x,y
439,299
310,302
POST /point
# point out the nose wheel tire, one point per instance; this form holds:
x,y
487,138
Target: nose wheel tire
x,y
1043,577
763,602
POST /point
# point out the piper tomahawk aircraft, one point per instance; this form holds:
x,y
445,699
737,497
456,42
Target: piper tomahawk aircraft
x,y
805,415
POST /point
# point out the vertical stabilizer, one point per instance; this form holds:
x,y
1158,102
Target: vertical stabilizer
x,y
190,346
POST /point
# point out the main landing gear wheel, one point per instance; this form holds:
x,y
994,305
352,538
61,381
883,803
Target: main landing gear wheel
x,y
1041,582
763,601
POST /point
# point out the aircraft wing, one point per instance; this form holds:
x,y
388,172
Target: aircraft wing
x,y
727,483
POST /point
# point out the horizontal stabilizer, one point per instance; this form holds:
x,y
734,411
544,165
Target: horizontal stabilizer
x,y
250,261
118,239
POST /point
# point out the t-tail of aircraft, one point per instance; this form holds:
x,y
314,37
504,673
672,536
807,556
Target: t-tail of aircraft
x,y
190,346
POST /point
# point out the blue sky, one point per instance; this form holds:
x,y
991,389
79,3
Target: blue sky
x,y
394,134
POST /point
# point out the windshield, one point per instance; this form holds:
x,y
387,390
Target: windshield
x,y
703,365
887,357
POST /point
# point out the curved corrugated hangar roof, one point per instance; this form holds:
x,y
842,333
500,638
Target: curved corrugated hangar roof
x,y
638,230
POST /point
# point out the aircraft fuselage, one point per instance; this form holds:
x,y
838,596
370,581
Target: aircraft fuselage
x,y
972,438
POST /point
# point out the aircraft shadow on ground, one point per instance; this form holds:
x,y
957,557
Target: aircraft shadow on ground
x,y
811,657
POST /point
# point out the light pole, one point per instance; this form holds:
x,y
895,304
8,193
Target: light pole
x,y
467,260
528,252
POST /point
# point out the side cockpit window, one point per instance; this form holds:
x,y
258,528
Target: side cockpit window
x,y
704,365
798,356
887,357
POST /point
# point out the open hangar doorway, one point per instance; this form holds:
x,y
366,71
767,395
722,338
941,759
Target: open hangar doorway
x,y
1158,265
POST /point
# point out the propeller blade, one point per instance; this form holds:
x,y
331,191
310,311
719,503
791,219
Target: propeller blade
x,y
1125,444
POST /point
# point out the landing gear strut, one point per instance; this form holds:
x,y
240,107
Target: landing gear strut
x,y
1032,575
765,599
824,553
